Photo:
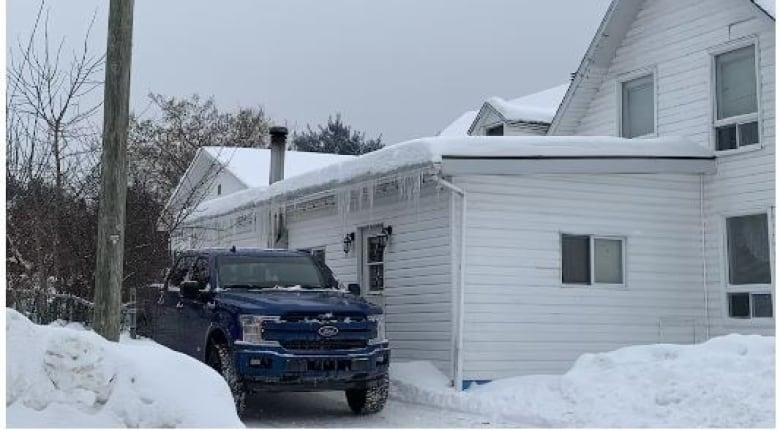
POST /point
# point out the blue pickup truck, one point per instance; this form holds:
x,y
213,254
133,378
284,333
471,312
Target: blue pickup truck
x,y
270,320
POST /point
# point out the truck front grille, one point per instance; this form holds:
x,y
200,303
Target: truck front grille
x,y
324,344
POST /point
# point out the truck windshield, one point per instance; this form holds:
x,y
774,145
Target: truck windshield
x,y
266,272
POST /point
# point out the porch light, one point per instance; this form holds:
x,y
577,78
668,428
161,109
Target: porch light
x,y
384,236
349,238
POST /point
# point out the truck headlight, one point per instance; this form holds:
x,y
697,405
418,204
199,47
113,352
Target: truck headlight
x,y
379,319
252,328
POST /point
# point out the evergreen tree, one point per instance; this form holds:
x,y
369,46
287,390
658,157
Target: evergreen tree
x,y
335,138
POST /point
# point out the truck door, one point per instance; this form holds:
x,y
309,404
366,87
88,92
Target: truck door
x,y
167,328
196,310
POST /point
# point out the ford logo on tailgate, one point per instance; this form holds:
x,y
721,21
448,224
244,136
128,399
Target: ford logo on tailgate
x,y
328,331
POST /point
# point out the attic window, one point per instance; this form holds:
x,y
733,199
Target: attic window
x,y
637,116
496,130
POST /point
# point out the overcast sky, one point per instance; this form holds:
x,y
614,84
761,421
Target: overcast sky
x,y
400,68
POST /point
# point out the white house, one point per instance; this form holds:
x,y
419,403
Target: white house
x,y
217,171
646,214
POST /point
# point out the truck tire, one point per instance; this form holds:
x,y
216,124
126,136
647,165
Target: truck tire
x,y
221,360
369,400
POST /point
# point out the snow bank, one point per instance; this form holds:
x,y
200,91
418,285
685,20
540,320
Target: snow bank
x,y
427,152
725,382
70,377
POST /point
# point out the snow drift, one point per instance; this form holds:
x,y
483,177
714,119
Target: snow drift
x,y
725,382
71,377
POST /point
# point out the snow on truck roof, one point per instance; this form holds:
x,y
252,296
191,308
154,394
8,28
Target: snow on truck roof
x,y
251,165
428,152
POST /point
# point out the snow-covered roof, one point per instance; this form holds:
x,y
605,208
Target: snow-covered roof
x,y
460,127
767,5
428,152
251,165
536,107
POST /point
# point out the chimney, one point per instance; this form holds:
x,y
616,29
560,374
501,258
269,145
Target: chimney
x,y
278,146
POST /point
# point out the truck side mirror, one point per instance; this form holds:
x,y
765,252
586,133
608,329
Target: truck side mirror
x,y
354,289
190,289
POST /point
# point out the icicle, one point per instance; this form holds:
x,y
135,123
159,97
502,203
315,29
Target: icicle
x,y
371,191
343,203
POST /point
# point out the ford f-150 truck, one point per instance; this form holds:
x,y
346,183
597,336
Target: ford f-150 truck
x,y
270,320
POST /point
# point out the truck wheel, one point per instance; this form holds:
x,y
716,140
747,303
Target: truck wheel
x,y
221,360
369,400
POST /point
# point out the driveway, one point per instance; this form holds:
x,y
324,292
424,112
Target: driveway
x,y
330,409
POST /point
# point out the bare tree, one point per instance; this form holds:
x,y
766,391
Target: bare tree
x,y
50,107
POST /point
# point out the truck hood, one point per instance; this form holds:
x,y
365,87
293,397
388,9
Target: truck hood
x,y
281,302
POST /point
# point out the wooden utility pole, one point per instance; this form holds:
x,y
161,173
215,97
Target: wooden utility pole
x,y
113,177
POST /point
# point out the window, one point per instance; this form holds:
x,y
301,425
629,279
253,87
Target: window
x,y
372,260
736,99
637,116
749,267
747,240
219,189
496,130
590,260
745,305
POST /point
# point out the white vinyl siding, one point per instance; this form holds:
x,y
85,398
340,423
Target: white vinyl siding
x,y
680,40
417,267
520,319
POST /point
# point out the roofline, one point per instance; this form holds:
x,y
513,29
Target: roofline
x,y
175,191
315,191
766,12
577,157
605,20
485,105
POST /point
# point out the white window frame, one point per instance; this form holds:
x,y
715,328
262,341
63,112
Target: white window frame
x,y
727,287
739,119
591,244
363,265
630,76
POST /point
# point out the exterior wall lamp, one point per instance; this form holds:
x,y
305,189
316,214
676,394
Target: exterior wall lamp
x,y
349,238
384,236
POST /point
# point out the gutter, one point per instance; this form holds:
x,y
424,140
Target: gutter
x,y
459,285
703,223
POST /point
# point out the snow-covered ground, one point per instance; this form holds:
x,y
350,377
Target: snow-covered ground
x,y
71,377
330,410
65,376
725,382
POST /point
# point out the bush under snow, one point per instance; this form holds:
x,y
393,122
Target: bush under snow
x,y
725,382
66,377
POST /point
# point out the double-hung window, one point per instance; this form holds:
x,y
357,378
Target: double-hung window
x,y
637,107
592,260
736,99
749,270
